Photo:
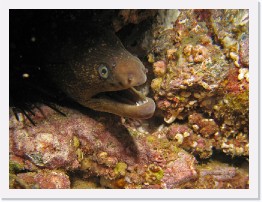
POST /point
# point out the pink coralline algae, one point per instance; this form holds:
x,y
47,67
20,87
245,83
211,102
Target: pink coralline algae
x,y
79,143
43,179
204,78
215,175
175,171
100,157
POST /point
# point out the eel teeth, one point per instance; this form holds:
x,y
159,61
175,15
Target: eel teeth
x,y
141,102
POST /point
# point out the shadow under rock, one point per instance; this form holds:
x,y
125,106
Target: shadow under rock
x,y
113,125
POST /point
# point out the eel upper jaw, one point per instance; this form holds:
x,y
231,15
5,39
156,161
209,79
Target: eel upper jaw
x,y
127,103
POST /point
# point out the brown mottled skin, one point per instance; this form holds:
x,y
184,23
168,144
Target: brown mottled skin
x,y
73,63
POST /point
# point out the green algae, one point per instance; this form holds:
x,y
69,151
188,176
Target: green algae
x,y
154,174
151,139
15,167
120,169
237,102
76,142
80,154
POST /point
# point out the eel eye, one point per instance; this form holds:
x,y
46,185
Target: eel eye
x,y
103,71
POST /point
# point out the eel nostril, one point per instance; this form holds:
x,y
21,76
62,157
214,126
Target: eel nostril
x,y
130,78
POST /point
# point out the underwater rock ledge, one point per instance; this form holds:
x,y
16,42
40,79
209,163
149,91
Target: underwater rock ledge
x,y
58,147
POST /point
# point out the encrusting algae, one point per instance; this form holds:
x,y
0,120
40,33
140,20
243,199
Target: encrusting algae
x,y
200,77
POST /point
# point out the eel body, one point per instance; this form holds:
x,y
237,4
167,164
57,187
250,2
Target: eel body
x,y
92,67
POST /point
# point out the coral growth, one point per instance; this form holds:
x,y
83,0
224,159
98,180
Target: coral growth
x,y
79,143
195,75
91,155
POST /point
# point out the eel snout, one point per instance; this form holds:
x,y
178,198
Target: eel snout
x,y
129,72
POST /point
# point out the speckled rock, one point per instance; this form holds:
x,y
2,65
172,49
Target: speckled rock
x,y
43,179
231,28
78,143
127,156
215,175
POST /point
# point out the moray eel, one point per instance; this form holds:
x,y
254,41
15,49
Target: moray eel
x,y
95,70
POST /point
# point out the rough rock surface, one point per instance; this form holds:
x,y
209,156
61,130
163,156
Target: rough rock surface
x,y
201,72
77,146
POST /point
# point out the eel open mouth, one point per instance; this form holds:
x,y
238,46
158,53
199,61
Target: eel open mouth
x,y
127,103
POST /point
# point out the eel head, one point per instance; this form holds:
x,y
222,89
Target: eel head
x,y
118,94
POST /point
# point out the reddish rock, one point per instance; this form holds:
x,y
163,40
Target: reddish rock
x,y
44,179
244,51
180,171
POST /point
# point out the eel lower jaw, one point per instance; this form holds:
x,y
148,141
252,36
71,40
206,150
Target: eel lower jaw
x,y
127,103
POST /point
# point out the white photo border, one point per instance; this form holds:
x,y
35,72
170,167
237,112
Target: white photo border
x,y
254,175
